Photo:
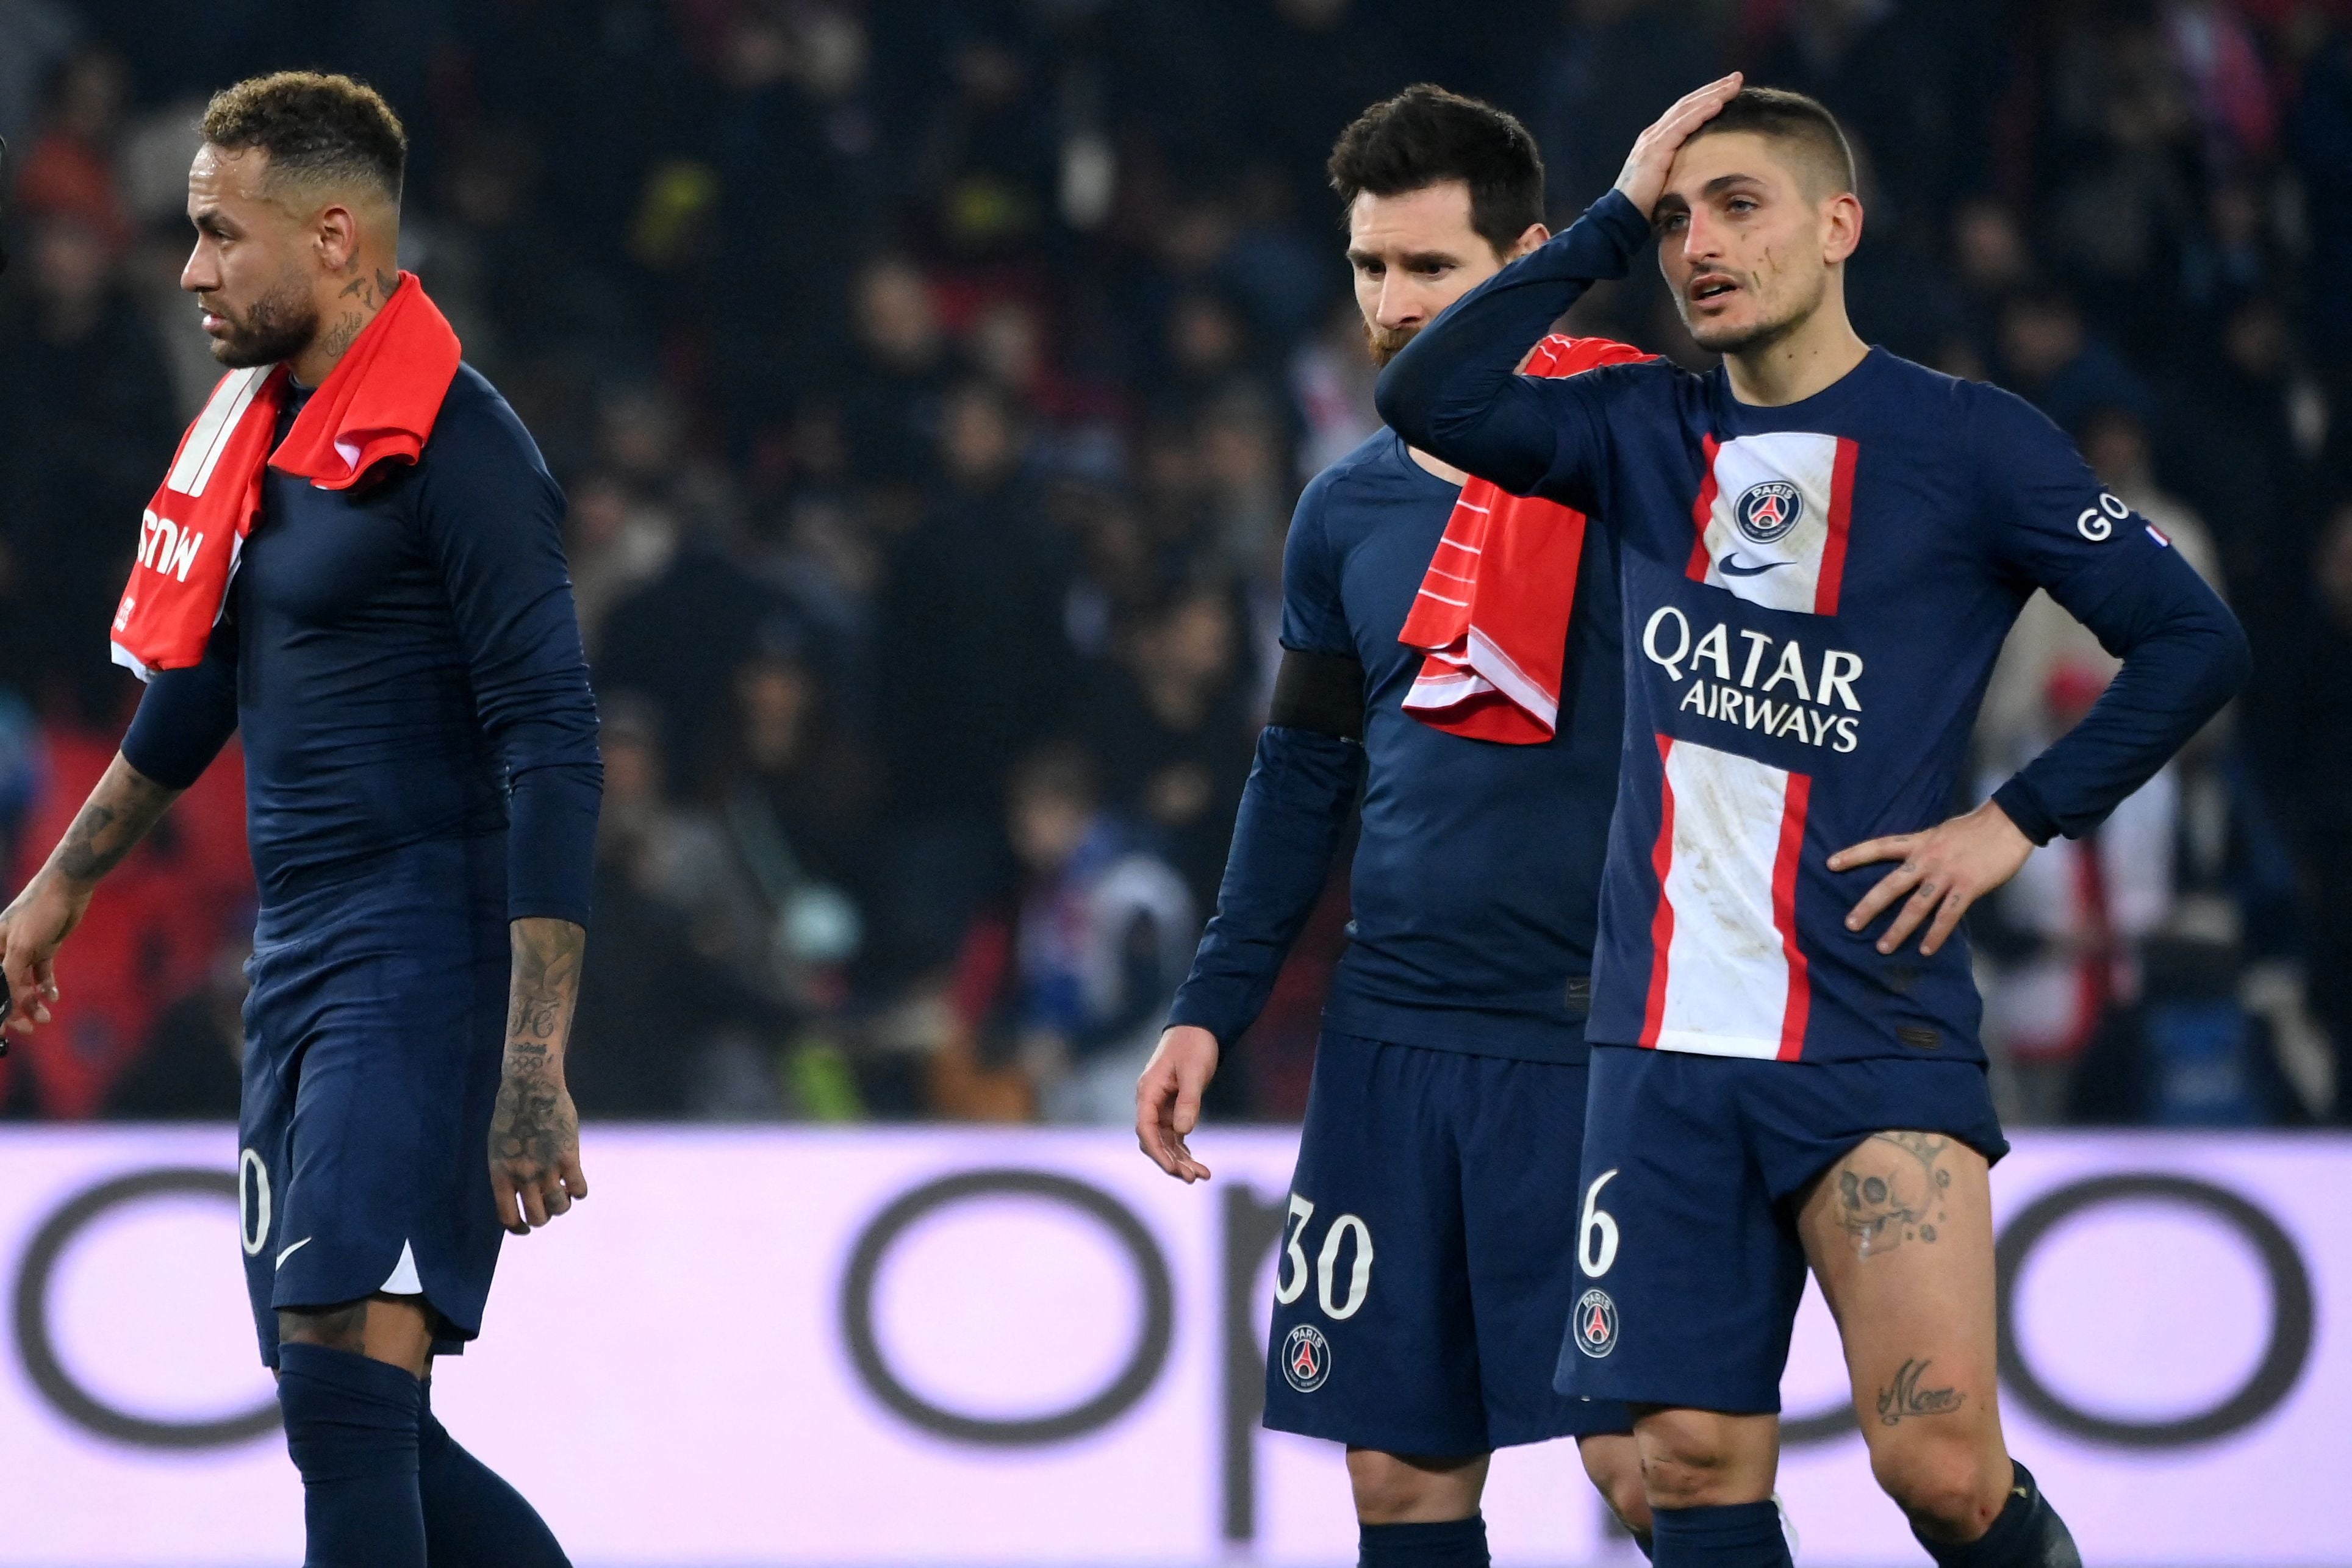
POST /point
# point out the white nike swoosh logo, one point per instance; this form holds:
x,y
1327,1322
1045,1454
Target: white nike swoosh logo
x,y
291,1251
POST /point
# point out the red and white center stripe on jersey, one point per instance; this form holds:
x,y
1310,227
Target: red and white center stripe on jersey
x,y
1726,978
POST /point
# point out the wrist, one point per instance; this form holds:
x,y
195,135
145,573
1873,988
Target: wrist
x,y
532,1059
53,881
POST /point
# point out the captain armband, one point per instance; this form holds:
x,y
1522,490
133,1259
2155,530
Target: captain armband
x,y
1319,692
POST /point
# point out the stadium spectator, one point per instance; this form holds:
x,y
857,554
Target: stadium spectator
x,y
1104,933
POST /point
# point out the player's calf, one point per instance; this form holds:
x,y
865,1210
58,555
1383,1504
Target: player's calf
x,y
473,1518
351,1431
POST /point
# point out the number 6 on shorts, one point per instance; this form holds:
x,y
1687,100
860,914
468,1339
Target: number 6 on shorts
x,y
1595,1220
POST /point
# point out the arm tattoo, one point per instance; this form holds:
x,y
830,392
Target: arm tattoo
x,y
1882,1203
534,1126
1903,1396
546,985
120,811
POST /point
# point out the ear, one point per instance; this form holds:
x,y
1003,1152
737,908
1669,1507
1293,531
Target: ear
x,y
1841,227
335,235
1531,239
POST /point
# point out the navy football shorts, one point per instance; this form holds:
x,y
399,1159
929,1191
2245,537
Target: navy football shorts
x,y
1426,1261
1689,1269
375,1033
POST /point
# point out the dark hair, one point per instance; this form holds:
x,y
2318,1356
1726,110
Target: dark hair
x,y
314,127
1792,118
1426,136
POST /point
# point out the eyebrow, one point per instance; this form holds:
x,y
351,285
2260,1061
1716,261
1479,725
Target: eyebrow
x,y
1679,203
1419,258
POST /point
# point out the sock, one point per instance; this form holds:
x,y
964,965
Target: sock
x,y
1736,1535
2026,1533
351,1425
473,1518
1453,1543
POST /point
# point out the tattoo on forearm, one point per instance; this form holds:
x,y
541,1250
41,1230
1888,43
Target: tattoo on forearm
x,y
1882,1203
546,984
120,810
1903,1396
533,1127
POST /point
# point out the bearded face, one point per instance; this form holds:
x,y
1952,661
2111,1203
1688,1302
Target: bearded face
x,y
277,325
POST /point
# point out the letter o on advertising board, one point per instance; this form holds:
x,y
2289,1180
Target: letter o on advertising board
x,y
1135,1378
38,1345
2284,1356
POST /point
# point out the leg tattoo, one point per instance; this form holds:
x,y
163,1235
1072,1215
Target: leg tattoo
x,y
1903,1396
1884,1208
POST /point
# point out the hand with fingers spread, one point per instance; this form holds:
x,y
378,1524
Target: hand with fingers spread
x,y
1942,871
1168,1099
1644,178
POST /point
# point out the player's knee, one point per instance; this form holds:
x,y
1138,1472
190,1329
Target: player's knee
x,y
1613,1463
1952,1490
1698,1458
1395,1488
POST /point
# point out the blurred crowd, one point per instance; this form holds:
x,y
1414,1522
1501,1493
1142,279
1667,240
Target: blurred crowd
x,y
931,380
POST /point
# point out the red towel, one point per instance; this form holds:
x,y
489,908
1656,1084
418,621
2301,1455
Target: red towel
x,y
378,405
1492,614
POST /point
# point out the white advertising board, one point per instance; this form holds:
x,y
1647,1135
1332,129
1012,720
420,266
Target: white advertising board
x,y
990,1347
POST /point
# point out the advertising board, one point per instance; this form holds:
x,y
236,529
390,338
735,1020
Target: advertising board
x,y
993,1348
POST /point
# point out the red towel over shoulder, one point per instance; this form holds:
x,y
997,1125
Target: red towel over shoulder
x,y
1493,610
378,405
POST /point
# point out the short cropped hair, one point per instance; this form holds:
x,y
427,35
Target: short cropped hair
x,y
1797,123
316,128
1426,136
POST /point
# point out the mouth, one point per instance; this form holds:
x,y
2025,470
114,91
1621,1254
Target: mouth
x,y
1710,288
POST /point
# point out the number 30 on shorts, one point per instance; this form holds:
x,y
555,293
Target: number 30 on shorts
x,y
1290,1283
1596,1231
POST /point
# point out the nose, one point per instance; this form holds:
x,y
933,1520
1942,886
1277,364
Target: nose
x,y
1700,242
200,275
1401,304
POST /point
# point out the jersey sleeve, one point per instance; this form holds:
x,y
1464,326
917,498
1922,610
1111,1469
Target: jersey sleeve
x,y
492,518
1314,621
186,715
1455,390
1293,811
2055,526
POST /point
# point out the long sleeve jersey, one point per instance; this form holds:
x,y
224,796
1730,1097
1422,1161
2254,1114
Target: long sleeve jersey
x,y
1477,869
405,665
1814,594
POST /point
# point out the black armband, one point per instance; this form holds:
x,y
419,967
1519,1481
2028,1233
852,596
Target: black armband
x,y
1319,692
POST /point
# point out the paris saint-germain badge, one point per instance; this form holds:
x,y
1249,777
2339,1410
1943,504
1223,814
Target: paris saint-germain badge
x,y
1768,510
1307,1357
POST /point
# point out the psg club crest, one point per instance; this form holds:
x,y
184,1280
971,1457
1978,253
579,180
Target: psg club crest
x,y
1767,511
1307,1357
1596,1321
